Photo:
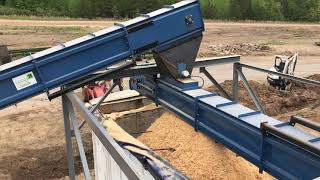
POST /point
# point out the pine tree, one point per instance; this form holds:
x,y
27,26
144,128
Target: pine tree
x,y
235,9
245,9
2,2
115,12
73,8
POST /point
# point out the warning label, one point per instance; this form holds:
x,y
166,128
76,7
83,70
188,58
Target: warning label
x,y
25,80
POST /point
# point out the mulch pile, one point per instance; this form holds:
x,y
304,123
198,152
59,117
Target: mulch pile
x,y
195,154
239,49
277,102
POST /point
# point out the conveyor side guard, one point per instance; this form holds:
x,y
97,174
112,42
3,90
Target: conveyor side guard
x,y
54,67
278,148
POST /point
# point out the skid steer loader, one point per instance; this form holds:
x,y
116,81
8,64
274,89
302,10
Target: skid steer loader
x,y
285,65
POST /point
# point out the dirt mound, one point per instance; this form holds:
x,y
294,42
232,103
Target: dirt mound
x,y
315,77
240,49
276,102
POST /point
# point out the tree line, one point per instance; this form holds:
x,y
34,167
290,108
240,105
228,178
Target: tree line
x,y
288,10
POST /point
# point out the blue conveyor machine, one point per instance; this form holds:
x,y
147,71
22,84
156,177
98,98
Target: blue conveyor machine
x,y
158,31
173,35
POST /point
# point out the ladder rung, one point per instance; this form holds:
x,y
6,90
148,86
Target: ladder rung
x,y
249,114
226,104
314,140
207,95
282,124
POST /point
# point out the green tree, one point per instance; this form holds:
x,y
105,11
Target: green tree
x,y
266,10
73,8
245,9
303,10
208,9
292,10
222,9
115,12
235,9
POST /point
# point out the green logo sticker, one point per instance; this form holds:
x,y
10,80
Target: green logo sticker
x,y
24,81
30,76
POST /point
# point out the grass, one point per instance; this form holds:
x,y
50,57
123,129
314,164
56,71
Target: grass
x,y
53,29
54,18
302,33
42,18
276,43
65,18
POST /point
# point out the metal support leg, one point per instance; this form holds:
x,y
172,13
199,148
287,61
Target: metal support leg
x,y
235,85
67,129
251,92
206,73
77,134
112,147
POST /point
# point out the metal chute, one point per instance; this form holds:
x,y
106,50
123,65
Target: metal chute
x,y
178,61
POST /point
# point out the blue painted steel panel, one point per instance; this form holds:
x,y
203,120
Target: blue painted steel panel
x,y
61,64
277,156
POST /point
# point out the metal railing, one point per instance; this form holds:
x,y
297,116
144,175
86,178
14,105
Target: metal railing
x,y
238,74
72,130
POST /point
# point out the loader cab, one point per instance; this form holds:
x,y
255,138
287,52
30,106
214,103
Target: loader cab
x,y
279,64
284,65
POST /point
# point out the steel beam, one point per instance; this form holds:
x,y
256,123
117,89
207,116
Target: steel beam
x,y
304,122
235,83
77,135
89,79
112,147
294,78
251,92
212,61
68,135
150,68
208,75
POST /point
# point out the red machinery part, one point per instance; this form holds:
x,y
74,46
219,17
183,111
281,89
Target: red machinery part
x,y
95,90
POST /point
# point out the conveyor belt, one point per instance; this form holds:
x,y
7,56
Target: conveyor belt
x,y
278,148
159,30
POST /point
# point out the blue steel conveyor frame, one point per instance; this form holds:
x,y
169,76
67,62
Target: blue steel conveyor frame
x,y
59,65
276,147
173,34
